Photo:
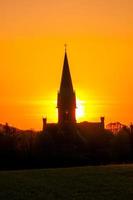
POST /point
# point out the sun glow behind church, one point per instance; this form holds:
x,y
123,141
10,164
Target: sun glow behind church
x,y
99,37
47,107
80,110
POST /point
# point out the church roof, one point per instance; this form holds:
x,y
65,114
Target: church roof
x,y
66,81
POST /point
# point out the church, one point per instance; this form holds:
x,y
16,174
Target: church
x,y
66,105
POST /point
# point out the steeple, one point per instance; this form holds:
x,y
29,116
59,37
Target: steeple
x,y
66,102
66,81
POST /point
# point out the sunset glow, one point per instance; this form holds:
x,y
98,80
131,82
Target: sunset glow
x,y
80,111
99,35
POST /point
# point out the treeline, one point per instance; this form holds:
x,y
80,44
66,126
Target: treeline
x,y
55,148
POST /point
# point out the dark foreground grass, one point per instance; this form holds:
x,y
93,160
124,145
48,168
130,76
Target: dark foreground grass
x,y
99,183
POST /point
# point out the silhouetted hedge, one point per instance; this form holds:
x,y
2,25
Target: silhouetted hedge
x,y
57,148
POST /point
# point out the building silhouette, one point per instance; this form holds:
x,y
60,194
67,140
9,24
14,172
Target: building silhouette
x,y
66,100
66,105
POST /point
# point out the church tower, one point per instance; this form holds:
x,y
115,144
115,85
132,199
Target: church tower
x,y
66,102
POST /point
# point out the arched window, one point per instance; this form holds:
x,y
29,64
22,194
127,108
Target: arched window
x,y
66,116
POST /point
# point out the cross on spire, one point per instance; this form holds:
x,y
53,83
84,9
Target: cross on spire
x,y
65,45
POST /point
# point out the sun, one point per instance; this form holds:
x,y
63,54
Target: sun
x,y
80,110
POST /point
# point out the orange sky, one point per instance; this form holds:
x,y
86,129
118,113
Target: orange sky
x,y
99,35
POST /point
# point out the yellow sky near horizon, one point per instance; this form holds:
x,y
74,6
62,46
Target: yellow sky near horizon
x,y
99,35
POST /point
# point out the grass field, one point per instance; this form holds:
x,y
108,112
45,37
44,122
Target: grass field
x,y
99,183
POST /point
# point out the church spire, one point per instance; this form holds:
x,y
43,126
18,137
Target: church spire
x,y
66,81
66,102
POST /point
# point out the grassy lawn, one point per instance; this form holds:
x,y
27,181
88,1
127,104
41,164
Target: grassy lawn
x,y
99,183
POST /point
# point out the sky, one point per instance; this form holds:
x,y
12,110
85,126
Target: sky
x,y
99,37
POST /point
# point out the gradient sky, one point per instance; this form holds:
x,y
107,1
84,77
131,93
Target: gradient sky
x,y
99,35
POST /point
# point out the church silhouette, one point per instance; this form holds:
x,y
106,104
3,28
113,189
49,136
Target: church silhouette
x,y
66,105
66,102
